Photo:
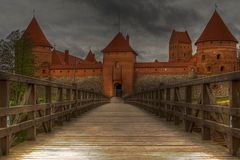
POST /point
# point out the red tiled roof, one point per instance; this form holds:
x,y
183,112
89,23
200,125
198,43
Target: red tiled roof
x,y
118,44
180,37
35,33
216,30
90,57
59,62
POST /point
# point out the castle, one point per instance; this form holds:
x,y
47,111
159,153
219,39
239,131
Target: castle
x,y
216,53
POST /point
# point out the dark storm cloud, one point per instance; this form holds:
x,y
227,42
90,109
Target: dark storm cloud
x,y
79,25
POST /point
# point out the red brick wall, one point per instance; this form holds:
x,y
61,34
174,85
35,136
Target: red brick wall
x,y
180,52
216,57
126,61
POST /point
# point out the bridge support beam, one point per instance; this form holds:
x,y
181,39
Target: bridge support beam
x,y
4,103
32,132
205,100
49,111
187,111
234,97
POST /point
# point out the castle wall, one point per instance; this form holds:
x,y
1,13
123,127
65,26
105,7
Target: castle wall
x,y
77,73
180,52
216,57
126,61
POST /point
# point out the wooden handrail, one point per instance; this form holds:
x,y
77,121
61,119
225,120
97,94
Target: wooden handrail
x,y
166,101
48,114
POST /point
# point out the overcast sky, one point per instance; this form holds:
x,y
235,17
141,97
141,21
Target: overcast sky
x,y
79,25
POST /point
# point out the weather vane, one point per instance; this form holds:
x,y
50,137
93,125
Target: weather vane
x,y
33,12
216,6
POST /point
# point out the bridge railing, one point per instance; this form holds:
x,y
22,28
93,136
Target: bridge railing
x,y
43,105
175,102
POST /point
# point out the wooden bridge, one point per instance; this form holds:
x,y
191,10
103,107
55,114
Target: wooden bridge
x,y
71,123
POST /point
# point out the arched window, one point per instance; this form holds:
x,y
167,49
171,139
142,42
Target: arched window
x,y
218,56
117,65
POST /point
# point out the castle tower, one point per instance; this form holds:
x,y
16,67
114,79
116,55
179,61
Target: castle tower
x,y
118,66
91,57
180,47
216,48
41,47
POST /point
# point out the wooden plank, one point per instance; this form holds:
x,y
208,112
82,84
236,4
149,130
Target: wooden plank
x,y
234,97
119,131
4,103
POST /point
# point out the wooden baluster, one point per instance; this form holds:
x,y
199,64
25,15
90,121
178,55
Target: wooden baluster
x,y
167,106
69,99
4,103
161,103
234,97
187,111
176,107
49,110
32,132
205,99
60,108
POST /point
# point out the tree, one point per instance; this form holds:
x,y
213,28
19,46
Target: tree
x,y
7,51
24,59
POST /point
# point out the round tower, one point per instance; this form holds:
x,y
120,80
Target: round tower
x,y
216,48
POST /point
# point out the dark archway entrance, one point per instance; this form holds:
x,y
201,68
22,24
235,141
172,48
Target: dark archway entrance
x,y
118,89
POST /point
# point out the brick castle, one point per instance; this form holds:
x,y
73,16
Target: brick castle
x,y
216,53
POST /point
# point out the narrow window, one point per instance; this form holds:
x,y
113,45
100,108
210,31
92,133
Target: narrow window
x,y
222,69
218,56
203,57
208,68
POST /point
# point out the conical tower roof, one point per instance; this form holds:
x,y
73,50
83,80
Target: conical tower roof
x,y
180,37
36,35
118,44
216,30
90,57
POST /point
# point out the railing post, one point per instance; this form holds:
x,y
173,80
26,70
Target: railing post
x,y
206,131
49,110
69,105
187,111
167,99
60,100
234,97
32,132
4,103
161,103
176,99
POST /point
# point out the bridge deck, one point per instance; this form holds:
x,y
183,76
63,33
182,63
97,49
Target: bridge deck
x,y
118,131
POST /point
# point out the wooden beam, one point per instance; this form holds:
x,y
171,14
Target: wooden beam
x,y
4,103
234,97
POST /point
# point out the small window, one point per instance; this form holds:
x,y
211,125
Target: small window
x,y
43,71
218,56
184,55
60,71
155,69
221,68
203,57
208,68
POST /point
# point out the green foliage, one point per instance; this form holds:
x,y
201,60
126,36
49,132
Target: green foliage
x,y
24,59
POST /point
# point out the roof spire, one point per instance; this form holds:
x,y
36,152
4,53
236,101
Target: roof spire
x,y
216,6
33,12
119,22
